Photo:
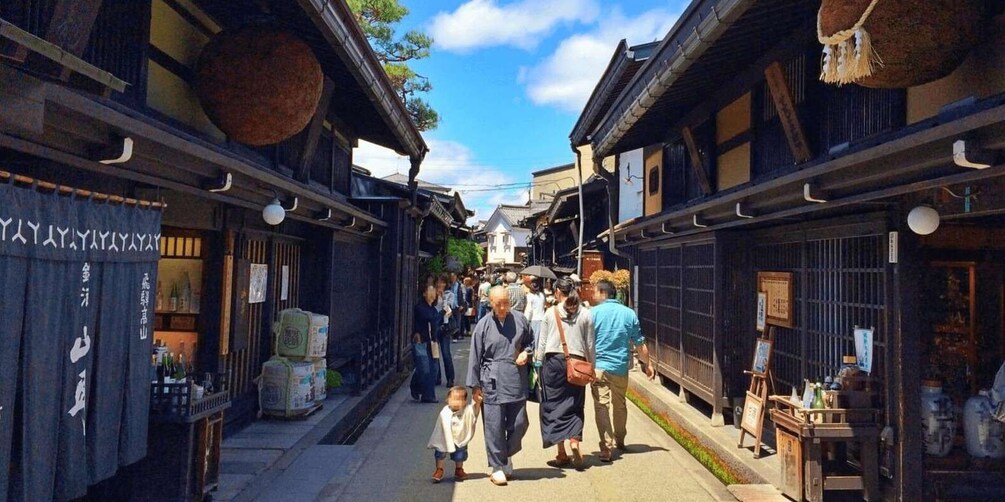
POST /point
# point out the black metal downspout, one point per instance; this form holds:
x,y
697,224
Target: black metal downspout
x,y
611,182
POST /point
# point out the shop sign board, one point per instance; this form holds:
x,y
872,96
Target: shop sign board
x,y
778,289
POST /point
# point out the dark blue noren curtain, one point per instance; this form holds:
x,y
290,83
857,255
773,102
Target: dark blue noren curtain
x,y
76,307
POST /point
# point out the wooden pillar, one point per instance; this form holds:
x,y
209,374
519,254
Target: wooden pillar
x,y
227,295
906,376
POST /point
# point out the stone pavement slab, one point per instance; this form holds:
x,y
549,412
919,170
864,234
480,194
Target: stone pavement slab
x,y
395,464
258,447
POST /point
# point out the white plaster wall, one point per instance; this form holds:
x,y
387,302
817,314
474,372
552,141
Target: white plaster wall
x,y
630,196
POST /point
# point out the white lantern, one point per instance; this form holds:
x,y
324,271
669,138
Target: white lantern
x,y
923,220
274,214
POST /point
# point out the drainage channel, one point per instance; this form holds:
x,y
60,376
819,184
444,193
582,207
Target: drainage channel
x,y
349,430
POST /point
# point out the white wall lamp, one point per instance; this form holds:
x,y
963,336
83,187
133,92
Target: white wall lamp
x,y
743,211
812,195
274,213
923,220
699,222
968,154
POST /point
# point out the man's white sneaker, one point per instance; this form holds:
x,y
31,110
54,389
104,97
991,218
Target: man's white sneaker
x,y
498,478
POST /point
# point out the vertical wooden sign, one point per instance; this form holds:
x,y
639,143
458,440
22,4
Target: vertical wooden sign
x,y
787,113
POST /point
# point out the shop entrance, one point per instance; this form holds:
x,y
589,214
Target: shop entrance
x,y
962,346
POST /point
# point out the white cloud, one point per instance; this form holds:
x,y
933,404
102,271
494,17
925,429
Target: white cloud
x,y
450,164
566,78
487,23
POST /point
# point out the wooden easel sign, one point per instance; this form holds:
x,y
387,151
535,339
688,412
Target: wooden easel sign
x,y
762,357
752,421
774,308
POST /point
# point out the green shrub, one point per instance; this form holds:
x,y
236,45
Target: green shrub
x,y
333,379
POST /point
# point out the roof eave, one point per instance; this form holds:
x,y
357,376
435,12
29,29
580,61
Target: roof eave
x,y
677,51
338,25
615,67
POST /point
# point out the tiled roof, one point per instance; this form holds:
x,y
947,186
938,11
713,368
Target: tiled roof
x,y
403,180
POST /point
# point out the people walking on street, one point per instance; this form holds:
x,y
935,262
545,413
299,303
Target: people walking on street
x,y
425,326
471,305
535,308
549,293
517,296
483,296
501,348
617,329
454,429
567,332
445,305
459,305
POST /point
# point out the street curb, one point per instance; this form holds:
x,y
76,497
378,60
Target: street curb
x,y
662,401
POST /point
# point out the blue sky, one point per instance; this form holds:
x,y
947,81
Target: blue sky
x,y
510,79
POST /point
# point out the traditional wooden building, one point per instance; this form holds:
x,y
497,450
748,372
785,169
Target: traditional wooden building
x,y
759,166
119,102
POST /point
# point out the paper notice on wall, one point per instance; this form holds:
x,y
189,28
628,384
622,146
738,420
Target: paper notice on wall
x,y
284,292
258,282
863,348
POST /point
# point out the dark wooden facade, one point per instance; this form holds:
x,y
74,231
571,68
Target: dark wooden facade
x,y
123,81
836,218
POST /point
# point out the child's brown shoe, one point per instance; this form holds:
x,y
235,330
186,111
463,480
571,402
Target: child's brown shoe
x,y
459,474
438,475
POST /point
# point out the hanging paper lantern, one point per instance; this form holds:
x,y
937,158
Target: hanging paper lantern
x,y
896,43
259,84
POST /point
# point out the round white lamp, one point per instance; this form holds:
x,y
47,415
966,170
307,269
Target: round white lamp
x,y
923,220
274,214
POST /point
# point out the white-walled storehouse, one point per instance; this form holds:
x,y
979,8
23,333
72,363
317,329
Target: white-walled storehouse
x,y
504,241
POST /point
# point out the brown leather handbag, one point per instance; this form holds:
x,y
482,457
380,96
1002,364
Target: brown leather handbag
x,y
577,371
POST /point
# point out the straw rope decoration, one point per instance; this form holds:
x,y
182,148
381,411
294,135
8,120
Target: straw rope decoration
x,y
848,54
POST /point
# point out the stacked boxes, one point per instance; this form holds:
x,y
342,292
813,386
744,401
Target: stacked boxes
x,y
293,380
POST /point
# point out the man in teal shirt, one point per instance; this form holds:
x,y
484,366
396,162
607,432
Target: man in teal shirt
x,y
617,328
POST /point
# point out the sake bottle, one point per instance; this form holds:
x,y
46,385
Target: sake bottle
x,y
173,299
818,403
185,296
159,305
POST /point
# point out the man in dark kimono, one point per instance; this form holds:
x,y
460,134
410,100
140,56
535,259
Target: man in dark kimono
x,y
501,347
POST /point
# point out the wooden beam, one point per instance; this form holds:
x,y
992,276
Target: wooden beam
x,y
313,131
774,75
70,27
71,24
50,51
697,162
745,80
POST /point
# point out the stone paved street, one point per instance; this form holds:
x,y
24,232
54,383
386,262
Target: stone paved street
x,y
390,462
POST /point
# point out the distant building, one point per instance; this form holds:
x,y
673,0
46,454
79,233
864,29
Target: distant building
x,y
506,243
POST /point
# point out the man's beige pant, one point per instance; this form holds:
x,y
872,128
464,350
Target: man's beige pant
x,y
609,391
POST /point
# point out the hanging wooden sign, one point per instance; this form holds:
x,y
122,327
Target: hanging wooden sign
x,y
762,307
778,287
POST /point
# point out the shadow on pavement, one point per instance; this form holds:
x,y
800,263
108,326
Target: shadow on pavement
x,y
536,473
631,449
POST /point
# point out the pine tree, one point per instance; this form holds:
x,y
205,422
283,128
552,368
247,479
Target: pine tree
x,y
378,19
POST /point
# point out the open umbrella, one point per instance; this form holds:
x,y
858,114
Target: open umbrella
x,y
539,271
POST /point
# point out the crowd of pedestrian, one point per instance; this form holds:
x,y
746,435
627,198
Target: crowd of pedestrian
x,y
518,327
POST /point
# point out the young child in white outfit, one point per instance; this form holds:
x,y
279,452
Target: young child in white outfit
x,y
454,429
